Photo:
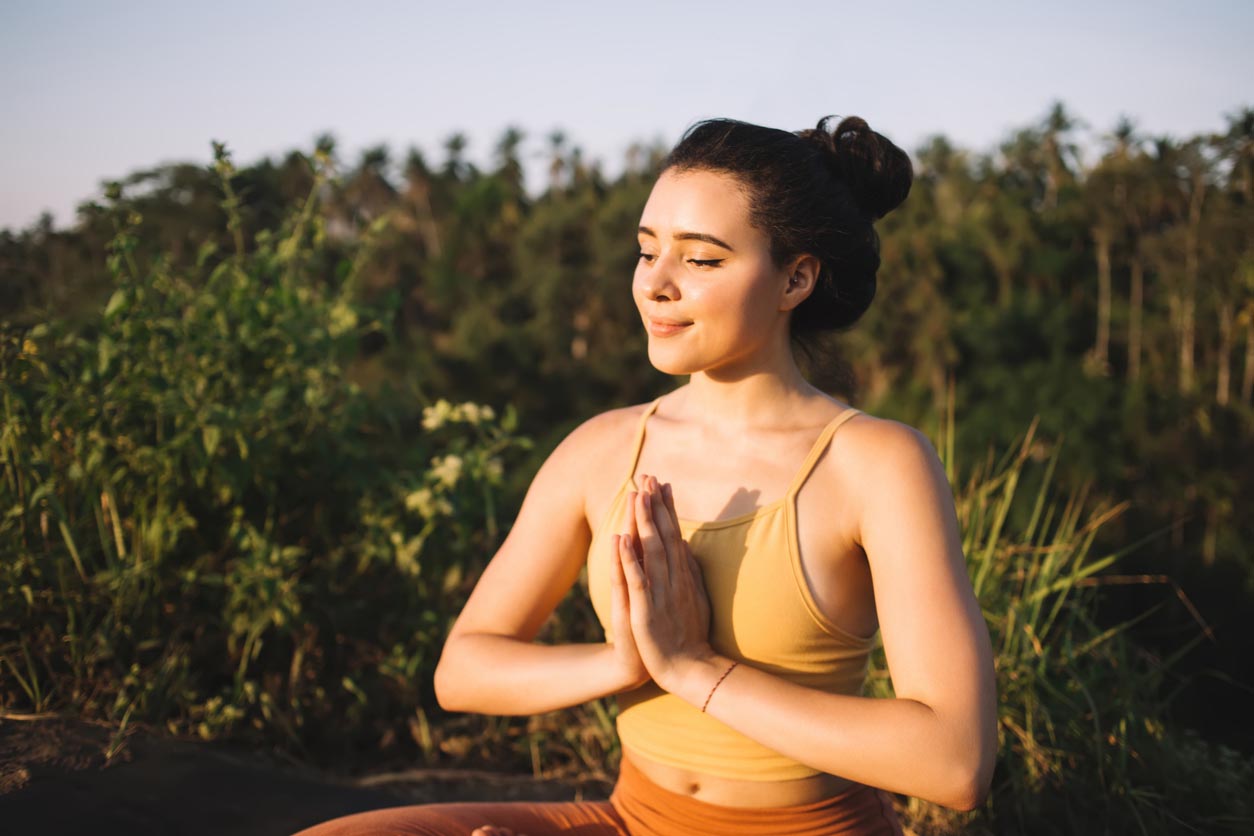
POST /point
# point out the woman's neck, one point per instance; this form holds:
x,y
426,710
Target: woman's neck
x,y
767,396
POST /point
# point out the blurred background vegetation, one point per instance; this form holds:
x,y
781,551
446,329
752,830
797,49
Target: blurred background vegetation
x,y
262,427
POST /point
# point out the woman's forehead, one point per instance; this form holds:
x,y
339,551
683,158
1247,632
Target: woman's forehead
x,y
696,201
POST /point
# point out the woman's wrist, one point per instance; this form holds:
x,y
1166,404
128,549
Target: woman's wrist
x,y
692,679
625,676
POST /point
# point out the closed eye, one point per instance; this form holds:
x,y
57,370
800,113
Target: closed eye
x,y
705,262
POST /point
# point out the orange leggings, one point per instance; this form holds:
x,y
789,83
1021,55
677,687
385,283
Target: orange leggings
x,y
637,807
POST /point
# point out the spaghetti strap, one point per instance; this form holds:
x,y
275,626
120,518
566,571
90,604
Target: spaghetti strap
x,y
817,450
639,445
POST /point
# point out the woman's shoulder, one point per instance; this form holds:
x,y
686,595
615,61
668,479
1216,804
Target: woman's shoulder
x,y
601,436
872,452
879,432
589,464
870,437
609,426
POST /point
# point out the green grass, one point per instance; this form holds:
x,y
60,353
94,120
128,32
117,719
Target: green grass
x,y
1083,742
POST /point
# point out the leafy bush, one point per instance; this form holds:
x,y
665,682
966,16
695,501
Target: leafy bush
x,y
208,525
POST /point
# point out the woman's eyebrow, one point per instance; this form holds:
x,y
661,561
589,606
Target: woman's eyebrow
x,y
691,236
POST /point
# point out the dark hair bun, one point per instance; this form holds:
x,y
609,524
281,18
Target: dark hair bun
x,y
877,172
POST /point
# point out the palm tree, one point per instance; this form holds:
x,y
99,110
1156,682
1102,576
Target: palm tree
x,y
508,162
1061,154
1127,148
1001,217
454,160
557,160
1195,171
509,174
1235,148
418,196
1113,220
1104,193
368,190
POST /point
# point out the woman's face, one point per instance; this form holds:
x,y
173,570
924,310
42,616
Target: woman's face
x,y
707,289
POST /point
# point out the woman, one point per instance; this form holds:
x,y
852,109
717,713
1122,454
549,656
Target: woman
x,y
745,536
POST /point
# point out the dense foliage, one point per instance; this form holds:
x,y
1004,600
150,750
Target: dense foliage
x,y
247,475
208,526
1084,742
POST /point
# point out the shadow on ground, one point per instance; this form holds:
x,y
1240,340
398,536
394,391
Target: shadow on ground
x,y
55,779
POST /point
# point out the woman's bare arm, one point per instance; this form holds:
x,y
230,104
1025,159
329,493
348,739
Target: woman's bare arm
x,y
937,738
490,663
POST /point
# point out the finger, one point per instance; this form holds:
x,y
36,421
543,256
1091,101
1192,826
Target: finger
x,y
664,519
618,581
616,567
651,544
634,577
668,493
694,571
667,528
633,531
692,564
667,524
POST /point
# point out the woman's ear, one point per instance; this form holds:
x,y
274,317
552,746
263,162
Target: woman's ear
x,y
803,275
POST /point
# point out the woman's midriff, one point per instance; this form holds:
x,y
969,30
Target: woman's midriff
x,y
733,792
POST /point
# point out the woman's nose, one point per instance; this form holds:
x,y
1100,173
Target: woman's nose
x,y
658,282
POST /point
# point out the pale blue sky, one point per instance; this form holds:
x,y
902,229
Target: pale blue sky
x,y
95,90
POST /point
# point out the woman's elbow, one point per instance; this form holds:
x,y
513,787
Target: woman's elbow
x,y
444,683
971,786
972,761
969,796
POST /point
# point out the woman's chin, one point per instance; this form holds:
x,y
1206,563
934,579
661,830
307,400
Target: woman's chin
x,y
672,363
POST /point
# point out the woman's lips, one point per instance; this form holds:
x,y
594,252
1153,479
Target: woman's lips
x,y
661,328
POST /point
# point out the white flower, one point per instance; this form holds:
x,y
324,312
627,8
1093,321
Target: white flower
x,y
422,501
434,417
425,503
343,319
447,470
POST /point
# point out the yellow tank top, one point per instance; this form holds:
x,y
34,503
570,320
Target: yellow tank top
x,y
762,614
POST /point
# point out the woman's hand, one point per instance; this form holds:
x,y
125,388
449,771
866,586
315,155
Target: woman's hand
x,y
626,655
669,610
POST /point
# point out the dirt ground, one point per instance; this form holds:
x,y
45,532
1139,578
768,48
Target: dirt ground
x,y
55,779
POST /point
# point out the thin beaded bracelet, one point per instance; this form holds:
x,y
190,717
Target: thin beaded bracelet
x,y
716,684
